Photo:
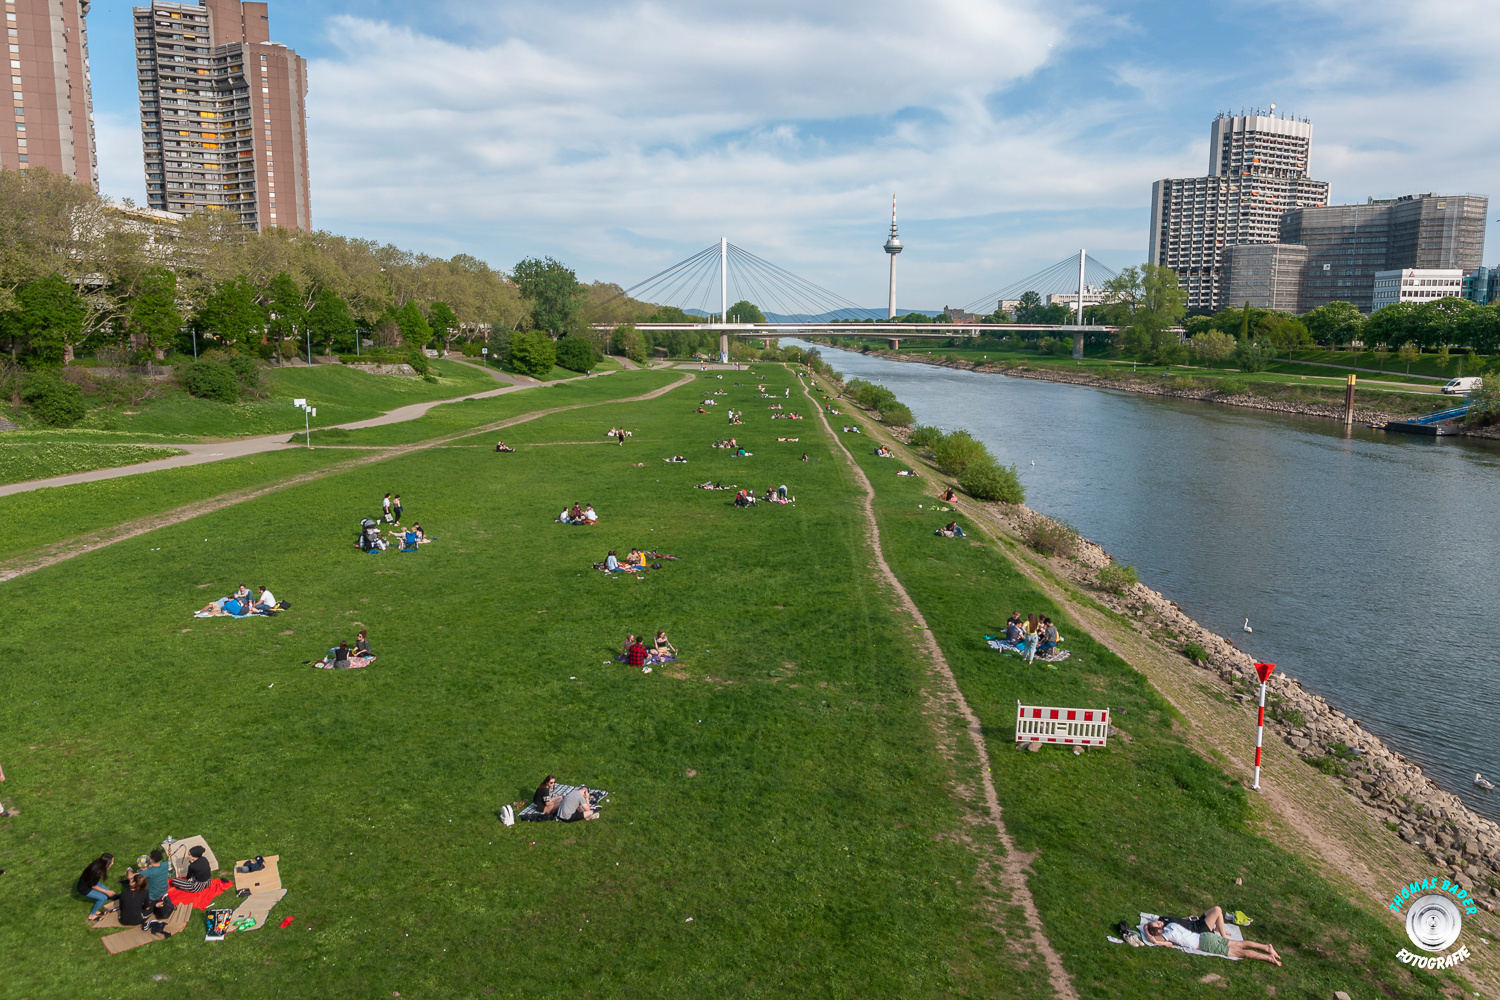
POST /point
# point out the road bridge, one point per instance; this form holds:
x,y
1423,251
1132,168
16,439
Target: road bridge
x,y
892,333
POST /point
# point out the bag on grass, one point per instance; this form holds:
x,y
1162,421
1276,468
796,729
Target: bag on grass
x,y
507,815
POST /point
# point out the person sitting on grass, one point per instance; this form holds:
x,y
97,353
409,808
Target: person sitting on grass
x,y
636,558
1048,644
91,883
422,538
1013,631
135,901
242,595
502,446
339,656
265,599
362,644
948,495
157,874
575,805
198,876
563,517
408,541
544,799
662,647
636,652
575,516
611,562
1207,934
589,517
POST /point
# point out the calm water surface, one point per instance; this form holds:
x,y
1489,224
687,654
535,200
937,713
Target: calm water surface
x,y
1369,566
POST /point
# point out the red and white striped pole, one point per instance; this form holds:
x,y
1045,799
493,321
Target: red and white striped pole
x,y
1263,671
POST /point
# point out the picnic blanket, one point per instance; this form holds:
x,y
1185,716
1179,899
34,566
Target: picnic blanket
x,y
257,906
355,662
137,936
202,899
531,814
219,613
1231,932
1019,649
653,659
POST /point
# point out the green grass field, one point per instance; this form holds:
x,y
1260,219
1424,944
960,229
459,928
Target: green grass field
x,y
24,461
780,821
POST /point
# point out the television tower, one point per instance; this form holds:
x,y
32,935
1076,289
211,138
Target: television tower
x,y
893,247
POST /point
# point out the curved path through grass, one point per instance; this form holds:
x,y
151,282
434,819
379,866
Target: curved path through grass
x,y
198,454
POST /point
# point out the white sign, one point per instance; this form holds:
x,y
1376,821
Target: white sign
x,y
299,402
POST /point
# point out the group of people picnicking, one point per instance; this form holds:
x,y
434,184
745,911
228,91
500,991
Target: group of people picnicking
x,y
884,452
566,808
347,657
583,514
241,604
372,538
502,446
1033,636
773,494
786,416
618,434
951,530
636,653
635,561
143,894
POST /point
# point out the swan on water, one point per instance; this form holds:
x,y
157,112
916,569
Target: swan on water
x,y
1247,626
1483,782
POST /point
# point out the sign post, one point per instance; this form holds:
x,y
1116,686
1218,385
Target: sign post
x,y
1263,671
308,412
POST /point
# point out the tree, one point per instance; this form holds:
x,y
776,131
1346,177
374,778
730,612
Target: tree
x,y
232,313
1026,307
1213,345
444,323
1336,323
1409,352
532,353
329,320
286,312
1281,331
413,326
48,319
746,312
576,354
553,292
627,340
1159,304
1394,324
152,313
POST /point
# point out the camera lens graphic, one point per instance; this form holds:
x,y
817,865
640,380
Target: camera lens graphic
x,y
1433,922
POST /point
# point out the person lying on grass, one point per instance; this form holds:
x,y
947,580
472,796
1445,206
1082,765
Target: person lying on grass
x,y
951,530
544,799
1206,934
676,460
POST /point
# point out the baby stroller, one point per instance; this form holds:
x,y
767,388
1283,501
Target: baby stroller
x,y
369,539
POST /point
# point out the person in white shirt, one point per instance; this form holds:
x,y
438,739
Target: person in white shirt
x,y
590,516
264,598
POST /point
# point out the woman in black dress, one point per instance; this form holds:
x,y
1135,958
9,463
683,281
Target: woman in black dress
x,y
135,902
198,876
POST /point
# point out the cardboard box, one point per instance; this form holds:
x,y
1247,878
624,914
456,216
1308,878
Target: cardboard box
x,y
268,879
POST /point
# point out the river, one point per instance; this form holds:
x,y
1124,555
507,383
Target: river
x,y
1368,564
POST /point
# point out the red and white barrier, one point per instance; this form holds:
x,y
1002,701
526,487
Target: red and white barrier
x,y
1263,671
1079,727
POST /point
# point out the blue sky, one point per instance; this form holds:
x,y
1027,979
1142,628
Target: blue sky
x,y
622,136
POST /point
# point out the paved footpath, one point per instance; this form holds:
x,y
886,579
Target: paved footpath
x,y
200,454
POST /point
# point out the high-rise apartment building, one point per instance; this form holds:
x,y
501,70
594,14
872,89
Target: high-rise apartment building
x,y
1258,168
1345,245
222,106
49,82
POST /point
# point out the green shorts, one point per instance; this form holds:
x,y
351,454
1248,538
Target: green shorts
x,y
1213,944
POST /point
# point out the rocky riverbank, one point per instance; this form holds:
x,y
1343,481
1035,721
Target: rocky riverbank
x,y
1410,803
1161,387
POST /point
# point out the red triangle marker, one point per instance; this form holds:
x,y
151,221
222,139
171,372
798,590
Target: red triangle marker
x,y
1263,671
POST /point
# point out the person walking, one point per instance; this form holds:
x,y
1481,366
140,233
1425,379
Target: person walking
x,y
385,507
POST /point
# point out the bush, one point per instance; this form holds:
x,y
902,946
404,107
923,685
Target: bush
x,y
1183,382
895,414
576,354
208,379
1232,387
246,370
1117,579
957,451
925,436
472,349
54,400
1195,652
992,481
418,361
1253,357
868,394
532,353
1051,538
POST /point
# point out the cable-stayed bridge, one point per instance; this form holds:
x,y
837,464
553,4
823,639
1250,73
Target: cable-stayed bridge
x,y
723,274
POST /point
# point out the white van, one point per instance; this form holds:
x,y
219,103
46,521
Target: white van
x,y
1463,386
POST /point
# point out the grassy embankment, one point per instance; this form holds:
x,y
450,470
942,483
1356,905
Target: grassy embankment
x,y
1145,825
778,785
1288,380
340,394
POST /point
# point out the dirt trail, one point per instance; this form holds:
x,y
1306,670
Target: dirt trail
x,y
52,554
944,701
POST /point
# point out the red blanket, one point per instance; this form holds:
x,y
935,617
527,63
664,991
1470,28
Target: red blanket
x,y
202,899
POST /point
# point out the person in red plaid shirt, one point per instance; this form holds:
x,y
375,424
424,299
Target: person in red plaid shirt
x,y
635,654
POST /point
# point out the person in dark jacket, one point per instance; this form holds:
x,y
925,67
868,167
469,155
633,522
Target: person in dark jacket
x,y
91,883
135,902
198,876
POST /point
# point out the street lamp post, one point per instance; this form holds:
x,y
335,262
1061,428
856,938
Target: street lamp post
x,y
308,412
